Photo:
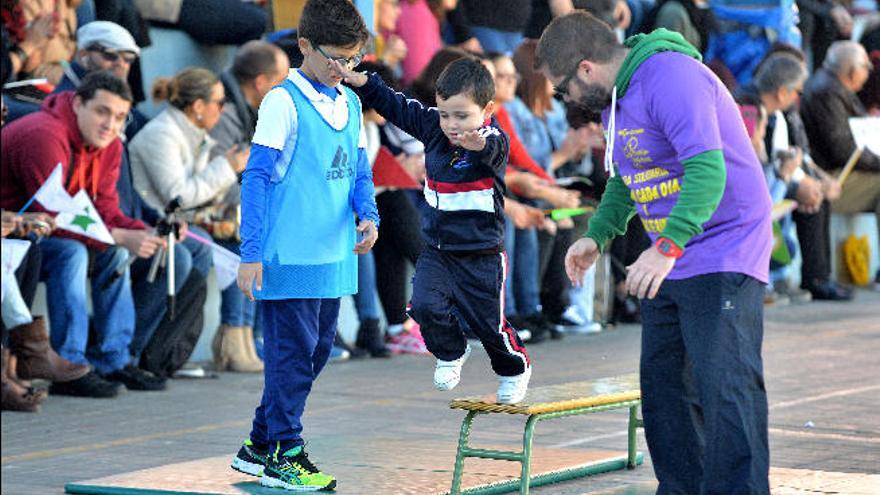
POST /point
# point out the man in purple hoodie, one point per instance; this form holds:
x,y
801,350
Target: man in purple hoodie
x,y
679,156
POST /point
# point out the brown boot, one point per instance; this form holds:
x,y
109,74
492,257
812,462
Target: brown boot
x,y
14,397
220,360
234,354
251,347
37,359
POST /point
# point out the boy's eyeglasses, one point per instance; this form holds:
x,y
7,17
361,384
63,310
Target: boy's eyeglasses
x,y
113,56
347,62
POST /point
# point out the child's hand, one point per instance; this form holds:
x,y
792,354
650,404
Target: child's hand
x,y
470,140
368,233
355,79
247,273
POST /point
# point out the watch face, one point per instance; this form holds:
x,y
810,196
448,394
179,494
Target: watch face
x,y
665,247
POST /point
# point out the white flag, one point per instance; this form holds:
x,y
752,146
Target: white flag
x,y
225,266
52,194
84,219
13,251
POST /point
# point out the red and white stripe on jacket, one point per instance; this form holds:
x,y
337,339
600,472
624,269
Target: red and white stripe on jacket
x,y
449,196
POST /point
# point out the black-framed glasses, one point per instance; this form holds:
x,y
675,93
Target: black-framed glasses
x,y
347,62
113,56
562,88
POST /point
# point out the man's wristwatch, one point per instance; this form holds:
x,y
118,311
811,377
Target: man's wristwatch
x,y
668,248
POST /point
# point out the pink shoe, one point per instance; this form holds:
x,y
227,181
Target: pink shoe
x,y
409,341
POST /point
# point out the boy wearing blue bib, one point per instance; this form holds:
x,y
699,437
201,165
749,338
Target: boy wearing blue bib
x,y
306,179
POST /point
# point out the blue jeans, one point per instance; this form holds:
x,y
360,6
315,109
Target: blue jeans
x,y
65,271
365,300
509,285
497,41
526,268
298,336
235,308
703,396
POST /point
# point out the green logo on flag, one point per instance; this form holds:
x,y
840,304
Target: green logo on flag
x,y
83,221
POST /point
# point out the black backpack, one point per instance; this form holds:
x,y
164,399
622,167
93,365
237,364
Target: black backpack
x,y
173,342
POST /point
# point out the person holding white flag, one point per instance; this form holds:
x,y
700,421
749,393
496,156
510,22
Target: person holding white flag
x,y
81,132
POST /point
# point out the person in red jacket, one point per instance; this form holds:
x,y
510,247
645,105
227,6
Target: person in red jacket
x,y
81,131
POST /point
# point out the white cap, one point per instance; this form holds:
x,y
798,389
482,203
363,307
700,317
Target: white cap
x,y
107,34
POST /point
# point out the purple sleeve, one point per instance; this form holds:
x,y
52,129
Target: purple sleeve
x,y
254,191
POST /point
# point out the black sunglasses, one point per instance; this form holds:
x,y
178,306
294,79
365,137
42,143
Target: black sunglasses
x,y
113,56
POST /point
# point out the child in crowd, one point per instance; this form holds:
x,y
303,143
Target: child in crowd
x,y
459,279
306,178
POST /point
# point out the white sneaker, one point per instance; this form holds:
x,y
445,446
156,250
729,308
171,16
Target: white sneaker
x,y
512,389
524,335
447,374
590,327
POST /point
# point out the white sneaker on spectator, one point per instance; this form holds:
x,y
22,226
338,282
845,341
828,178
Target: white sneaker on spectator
x,y
512,389
447,374
589,327
524,335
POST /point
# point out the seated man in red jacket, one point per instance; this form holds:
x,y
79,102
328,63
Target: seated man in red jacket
x,y
81,131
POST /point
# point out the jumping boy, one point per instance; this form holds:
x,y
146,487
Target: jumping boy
x,y
306,178
460,275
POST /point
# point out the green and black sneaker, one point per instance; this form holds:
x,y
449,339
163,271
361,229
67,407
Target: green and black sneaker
x,y
294,471
250,460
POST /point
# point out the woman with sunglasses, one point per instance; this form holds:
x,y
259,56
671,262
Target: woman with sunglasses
x,y
170,158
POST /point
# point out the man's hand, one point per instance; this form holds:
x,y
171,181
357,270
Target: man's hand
x,y
809,195
831,188
247,274
368,233
39,223
470,140
141,243
842,20
11,222
579,258
644,277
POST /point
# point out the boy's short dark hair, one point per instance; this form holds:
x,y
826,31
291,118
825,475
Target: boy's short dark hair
x,y
105,80
466,75
334,23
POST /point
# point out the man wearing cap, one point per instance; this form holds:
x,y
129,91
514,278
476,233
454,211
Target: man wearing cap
x,y
107,46
101,45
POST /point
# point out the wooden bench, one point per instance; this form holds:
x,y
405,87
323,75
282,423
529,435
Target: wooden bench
x,y
550,402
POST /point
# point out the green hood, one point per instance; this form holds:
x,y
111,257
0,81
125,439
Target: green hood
x,y
642,46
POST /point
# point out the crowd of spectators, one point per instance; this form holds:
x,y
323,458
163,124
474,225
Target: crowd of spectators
x,y
110,324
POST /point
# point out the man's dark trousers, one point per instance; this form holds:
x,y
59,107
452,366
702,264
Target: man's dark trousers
x,y
703,396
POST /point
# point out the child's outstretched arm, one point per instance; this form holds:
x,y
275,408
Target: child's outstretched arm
x,y
410,115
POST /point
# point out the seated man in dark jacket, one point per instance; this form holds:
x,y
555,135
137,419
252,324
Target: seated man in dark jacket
x,y
829,101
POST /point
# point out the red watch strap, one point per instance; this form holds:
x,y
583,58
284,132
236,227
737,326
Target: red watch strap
x,y
668,248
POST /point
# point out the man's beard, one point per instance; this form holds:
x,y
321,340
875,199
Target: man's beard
x,y
594,98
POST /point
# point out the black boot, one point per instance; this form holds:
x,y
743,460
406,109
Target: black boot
x,y
369,338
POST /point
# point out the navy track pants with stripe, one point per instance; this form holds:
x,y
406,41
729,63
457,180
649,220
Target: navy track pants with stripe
x,y
453,292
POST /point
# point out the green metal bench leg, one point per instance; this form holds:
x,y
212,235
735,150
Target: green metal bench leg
x,y
459,455
527,455
631,448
